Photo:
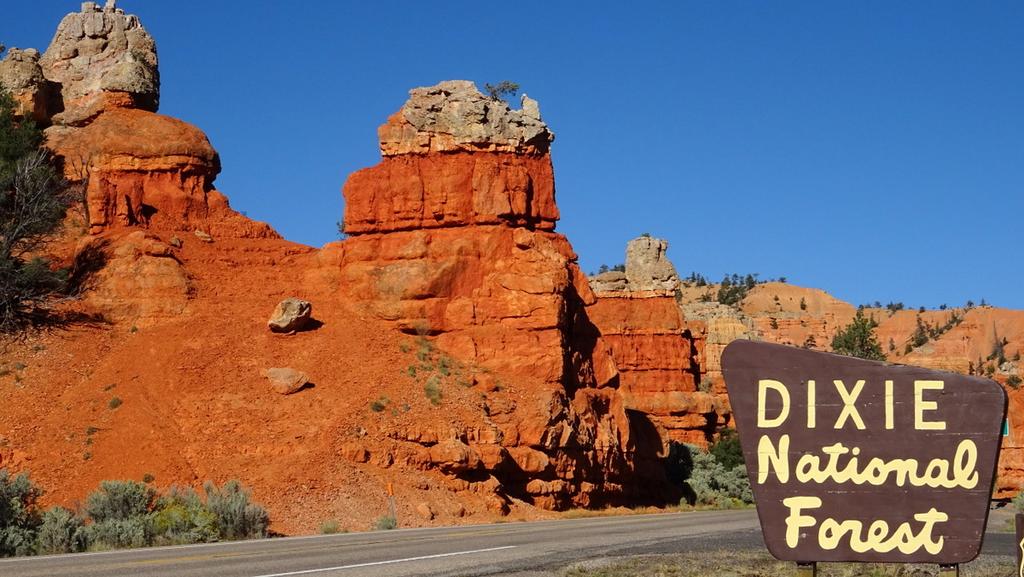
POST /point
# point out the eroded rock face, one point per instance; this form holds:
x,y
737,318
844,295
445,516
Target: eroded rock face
x,y
454,116
648,267
22,76
100,52
141,282
147,170
413,191
662,359
659,364
451,236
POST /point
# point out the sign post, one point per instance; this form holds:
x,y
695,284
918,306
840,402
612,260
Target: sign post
x,y
861,461
1018,521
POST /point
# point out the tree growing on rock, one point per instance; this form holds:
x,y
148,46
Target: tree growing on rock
x,y
857,339
502,89
33,201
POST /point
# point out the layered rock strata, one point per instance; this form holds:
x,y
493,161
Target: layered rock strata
x,y
661,358
451,236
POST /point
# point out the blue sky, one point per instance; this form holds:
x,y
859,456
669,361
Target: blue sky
x,y
871,149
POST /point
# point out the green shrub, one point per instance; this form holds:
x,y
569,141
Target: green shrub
x,y
61,532
237,516
1014,381
714,484
385,523
379,405
129,533
727,449
734,288
432,389
706,481
115,402
19,514
125,514
120,501
182,518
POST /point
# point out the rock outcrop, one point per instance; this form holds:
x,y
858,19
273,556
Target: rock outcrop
x,y
451,236
102,56
453,116
98,85
146,170
648,267
139,282
22,76
661,358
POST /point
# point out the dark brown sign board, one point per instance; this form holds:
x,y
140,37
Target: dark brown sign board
x,y
855,460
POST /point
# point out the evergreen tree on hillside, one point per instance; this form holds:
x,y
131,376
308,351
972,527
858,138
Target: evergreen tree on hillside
x,y
858,339
33,201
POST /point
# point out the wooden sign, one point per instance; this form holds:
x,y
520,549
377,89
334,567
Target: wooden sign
x,y
854,460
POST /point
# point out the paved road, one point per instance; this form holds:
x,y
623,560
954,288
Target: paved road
x,y
502,549
499,549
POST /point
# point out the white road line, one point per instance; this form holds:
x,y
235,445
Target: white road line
x,y
389,562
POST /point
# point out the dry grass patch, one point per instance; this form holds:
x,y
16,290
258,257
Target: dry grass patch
x,y
761,564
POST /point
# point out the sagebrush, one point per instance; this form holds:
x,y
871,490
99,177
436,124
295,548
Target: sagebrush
x,y
125,514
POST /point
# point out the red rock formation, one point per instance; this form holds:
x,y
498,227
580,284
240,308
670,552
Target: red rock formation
x,y
658,361
408,192
142,169
453,239
138,168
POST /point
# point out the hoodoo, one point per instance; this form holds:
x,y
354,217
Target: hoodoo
x,y
452,236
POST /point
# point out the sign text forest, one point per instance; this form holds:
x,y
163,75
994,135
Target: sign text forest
x,y
854,460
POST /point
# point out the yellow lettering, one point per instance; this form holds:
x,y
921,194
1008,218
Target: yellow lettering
x,y
877,537
768,457
888,404
795,521
843,465
849,409
763,386
964,464
921,405
810,405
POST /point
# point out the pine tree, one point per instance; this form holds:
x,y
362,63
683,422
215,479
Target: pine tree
x,y
858,339
33,201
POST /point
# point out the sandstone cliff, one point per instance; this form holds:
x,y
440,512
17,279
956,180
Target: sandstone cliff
x,y
975,340
451,236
